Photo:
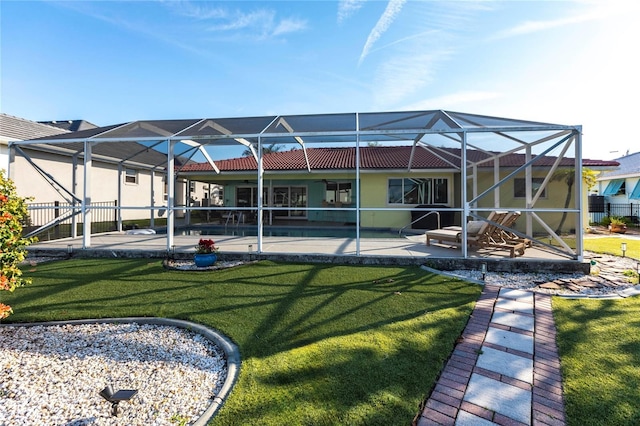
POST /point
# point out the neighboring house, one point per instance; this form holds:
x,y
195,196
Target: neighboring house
x,y
329,195
19,129
70,125
52,176
618,191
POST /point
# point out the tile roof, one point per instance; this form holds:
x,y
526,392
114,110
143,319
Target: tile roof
x,y
371,158
629,165
15,128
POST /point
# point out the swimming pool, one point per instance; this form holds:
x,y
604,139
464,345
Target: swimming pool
x,y
286,231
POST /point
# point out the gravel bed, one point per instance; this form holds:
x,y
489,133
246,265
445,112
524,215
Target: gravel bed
x,y
52,375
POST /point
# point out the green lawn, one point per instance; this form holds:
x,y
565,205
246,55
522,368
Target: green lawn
x,y
612,245
320,344
600,353
599,349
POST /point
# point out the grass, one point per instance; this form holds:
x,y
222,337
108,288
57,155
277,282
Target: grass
x,y
612,245
600,351
320,344
600,358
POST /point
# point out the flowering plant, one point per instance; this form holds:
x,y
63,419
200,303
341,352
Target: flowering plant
x,y
206,246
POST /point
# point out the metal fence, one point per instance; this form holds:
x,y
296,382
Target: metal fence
x,y
599,209
61,218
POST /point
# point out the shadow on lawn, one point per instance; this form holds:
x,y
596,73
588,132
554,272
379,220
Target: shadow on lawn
x,y
265,307
289,313
600,355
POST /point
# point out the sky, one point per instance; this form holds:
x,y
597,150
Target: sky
x,y
109,62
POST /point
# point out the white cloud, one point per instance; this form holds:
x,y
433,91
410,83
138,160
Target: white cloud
x,y
260,23
287,26
529,27
388,16
196,10
396,80
346,8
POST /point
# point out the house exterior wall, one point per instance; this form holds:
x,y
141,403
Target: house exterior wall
x,y
374,195
4,156
555,198
630,184
104,183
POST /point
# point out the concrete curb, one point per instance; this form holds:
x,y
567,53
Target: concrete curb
x,y
231,351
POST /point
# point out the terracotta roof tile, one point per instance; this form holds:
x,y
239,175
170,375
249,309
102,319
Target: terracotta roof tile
x,y
383,157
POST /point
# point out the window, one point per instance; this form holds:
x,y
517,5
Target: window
x,y
635,194
615,187
131,176
418,191
520,190
338,192
294,197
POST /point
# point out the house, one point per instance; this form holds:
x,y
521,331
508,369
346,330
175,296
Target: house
x,y
51,176
617,192
373,169
70,125
18,129
386,182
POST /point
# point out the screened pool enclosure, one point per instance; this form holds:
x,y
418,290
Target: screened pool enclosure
x,y
471,165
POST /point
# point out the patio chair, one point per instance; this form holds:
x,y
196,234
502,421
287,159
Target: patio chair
x,y
483,234
477,231
507,234
498,235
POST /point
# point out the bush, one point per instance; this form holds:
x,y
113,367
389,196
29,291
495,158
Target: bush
x,y
13,216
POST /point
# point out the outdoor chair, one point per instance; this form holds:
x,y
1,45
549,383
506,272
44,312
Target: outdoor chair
x,y
476,231
506,230
489,233
498,235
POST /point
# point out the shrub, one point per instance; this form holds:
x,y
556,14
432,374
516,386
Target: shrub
x,y
617,220
13,216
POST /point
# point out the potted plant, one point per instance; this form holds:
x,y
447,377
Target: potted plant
x,y
206,253
618,225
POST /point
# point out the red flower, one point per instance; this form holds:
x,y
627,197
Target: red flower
x,y
206,246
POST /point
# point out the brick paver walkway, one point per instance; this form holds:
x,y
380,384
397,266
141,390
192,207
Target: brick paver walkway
x,y
505,370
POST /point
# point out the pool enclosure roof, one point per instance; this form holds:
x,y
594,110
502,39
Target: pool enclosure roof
x,y
330,128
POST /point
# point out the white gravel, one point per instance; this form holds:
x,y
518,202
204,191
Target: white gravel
x,y
52,375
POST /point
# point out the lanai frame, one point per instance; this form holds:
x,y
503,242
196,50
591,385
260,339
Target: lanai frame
x,y
423,129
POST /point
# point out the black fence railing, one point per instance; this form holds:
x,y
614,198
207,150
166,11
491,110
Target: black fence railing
x,y
104,218
599,210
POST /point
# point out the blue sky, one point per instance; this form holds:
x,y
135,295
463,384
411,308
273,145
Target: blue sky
x,y
566,62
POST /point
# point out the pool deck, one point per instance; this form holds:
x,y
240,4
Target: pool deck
x,y
408,250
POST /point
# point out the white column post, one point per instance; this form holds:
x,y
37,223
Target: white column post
x,y
86,197
170,194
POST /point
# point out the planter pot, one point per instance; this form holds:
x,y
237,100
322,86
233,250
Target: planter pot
x,y
620,229
204,260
